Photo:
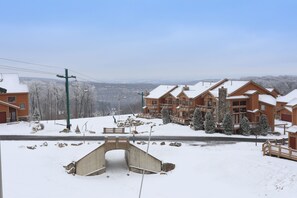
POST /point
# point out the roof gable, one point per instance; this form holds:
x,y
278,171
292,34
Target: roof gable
x,y
160,91
257,86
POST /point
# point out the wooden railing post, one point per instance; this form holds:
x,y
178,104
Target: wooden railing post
x,y
279,151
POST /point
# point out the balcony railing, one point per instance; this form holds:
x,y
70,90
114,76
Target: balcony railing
x,y
152,106
205,108
166,105
180,120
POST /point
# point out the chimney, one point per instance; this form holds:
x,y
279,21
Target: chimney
x,y
186,88
222,104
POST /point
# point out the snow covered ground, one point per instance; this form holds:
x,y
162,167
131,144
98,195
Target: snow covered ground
x,y
202,170
97,124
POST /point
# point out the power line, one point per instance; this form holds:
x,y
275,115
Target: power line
x,y
87,77
30,63
8,67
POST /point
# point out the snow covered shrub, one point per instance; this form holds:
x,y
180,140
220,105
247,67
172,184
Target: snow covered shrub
x,y
197,120
209,124
165,116
228,124
263,123
245,126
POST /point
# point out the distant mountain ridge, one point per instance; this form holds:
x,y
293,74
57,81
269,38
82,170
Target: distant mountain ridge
x,y
284,84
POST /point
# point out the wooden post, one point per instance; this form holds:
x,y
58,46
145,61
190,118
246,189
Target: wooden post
x,y
290,152
279,151
269,149
284,129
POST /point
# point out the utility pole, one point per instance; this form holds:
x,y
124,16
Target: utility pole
x,y
142,99
67,96
1,183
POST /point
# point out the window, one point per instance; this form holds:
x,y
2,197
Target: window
x,y
209,103
263,107
22,106
235,103
11,99
236,110
154,102
242,103
242,109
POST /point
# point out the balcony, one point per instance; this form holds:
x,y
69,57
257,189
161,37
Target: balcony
x,y
180,120
152,106
205,108
166,105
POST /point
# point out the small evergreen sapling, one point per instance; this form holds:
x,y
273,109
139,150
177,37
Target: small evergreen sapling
x,y
245,126
197,120
263,123
209,124
165,116
228,124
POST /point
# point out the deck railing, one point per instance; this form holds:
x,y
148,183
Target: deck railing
x,y
277,150
180,120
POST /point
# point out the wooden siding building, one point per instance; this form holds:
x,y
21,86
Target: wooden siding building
x,y
14,99
284,109
243,98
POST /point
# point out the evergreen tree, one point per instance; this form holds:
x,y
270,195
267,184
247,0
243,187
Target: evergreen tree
x,y
197,120
165,116
209,124
245,126
263,123
228,124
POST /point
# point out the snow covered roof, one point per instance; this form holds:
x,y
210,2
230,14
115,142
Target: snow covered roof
x,y
9,105
292,102
267,99
237,97
287,98
253,111
292,129
231,85
270,89
250,92
177,91
200,88
160,91
12,84
289,109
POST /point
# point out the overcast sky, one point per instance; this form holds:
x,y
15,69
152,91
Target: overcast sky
x,y
152,39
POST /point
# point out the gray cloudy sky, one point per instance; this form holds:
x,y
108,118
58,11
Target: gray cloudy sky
x,y
151,40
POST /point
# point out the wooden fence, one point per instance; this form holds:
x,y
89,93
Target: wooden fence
x,y
273,148
114,130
